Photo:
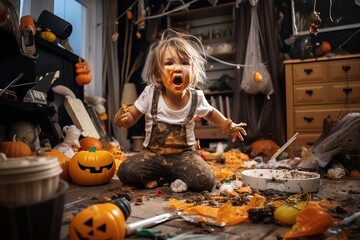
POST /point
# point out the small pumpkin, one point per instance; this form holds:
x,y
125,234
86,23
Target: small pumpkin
x,y
98,222
83,70
87,142
323,49
62,158
115,150
92,167
49,36
15,148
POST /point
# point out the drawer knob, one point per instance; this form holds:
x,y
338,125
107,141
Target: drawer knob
x,y
309,119
309,92
346,68
308,71
347,90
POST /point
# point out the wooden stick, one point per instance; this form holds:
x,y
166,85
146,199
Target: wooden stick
x,y
284,146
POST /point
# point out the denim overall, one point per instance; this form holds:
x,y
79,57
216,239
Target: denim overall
x,y
168,156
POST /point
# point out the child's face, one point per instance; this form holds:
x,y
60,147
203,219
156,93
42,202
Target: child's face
x,y
176,71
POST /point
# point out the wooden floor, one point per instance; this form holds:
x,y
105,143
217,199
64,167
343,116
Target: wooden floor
x,y
149,203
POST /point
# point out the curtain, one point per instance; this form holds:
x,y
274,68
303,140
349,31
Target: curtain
x,y
111,66
265,117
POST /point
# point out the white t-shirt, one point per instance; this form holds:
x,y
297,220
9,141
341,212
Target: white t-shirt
x,y
165,114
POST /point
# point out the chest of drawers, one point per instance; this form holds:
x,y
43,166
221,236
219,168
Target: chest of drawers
x,y
317,89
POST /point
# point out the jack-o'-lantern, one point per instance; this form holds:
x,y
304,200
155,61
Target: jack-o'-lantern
x,y
92,167
98,222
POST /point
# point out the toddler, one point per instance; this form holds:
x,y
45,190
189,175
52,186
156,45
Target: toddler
x,y
170,102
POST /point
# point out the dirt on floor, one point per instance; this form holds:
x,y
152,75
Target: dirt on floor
x,y
339,197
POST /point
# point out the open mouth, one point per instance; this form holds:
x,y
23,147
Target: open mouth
x,y
177,81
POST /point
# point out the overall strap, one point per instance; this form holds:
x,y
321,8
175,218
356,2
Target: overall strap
x,y
154,104
193,105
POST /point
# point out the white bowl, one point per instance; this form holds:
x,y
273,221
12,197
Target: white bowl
x,y
291,181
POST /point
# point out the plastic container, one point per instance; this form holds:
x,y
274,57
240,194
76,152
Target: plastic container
x,y
28,179
40,220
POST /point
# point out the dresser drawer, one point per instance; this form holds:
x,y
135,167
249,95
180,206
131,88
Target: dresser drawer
x,y
340,93
327,93
342,69
314,94
312,117
309,72
306,139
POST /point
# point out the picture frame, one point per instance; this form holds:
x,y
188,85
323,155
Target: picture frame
x,y
334,14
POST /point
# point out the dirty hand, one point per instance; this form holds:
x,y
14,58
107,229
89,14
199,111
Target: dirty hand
x,y
121,115
236,130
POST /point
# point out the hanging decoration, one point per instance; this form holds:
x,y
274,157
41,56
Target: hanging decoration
x,y
256,78
83,70
314,22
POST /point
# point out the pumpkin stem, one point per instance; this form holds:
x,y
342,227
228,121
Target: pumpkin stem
x,y
92,149
41,151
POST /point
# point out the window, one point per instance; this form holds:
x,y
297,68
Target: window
x,y
86,38
74,12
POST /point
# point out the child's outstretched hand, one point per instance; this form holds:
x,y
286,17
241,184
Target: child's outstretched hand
x,y
236,130
120,116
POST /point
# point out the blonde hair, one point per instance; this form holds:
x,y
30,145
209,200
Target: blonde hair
x,y
187,46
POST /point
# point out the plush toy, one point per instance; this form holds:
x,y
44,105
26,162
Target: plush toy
x,y
72,134
97,103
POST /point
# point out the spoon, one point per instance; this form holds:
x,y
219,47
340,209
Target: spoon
x,y
199,220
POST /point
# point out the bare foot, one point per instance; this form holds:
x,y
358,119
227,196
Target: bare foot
x,y
151,184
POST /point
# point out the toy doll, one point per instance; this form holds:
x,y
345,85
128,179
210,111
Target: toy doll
x,y
170,102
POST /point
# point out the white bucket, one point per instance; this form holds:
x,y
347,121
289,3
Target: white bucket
x,y
28,179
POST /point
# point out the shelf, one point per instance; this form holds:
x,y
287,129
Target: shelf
x,y
210,132
226,39
222,92
60,51
222,9
11,106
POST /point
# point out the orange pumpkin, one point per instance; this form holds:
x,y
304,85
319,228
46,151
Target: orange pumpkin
x,y
98,222
15,148
83,79
87,142
83,70
62,158
92,167
323,49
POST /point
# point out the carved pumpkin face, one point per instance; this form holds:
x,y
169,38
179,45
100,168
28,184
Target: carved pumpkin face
x,y
103,221
92,167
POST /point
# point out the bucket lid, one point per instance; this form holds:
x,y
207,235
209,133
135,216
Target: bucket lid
x,y
25,169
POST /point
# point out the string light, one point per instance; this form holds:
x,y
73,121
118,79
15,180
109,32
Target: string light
x,y
237,65
159,15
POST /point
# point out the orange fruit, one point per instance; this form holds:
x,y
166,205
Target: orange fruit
x,y
257,77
